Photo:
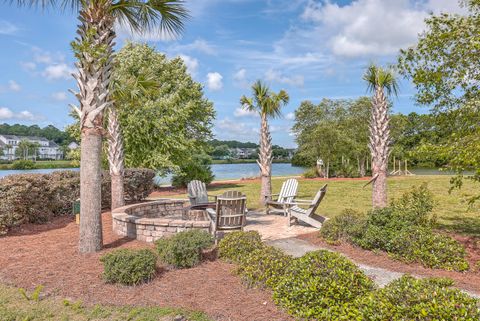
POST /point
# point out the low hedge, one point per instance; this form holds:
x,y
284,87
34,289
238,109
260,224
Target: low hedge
x,y
236,246
318,281
37,198
184,249
404,230
129,267
264,267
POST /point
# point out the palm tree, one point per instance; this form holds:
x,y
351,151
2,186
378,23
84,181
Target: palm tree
x,y
122,90
93,49
382,82
267,104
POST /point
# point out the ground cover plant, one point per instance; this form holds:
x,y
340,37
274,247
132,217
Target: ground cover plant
x,y
184,249
14,306
129,267
323,285
404,230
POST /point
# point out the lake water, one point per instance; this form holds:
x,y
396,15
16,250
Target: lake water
x,y
230,171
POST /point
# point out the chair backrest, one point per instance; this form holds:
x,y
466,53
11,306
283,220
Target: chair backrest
x,y
288,191
230,210
317,200
197,192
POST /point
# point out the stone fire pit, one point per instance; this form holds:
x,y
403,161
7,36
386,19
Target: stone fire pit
x,y
151,221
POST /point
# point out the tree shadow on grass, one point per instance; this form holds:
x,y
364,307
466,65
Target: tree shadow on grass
x,y
462,225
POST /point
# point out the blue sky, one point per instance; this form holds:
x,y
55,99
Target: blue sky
x,y
312,49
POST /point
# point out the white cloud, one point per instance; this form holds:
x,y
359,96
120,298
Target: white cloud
x,y
157,35
28,66
368,27
7,28
275,76
230,128
199,45
191,63
290,116
240,78
6,114
14,86
214,81
242,112
60,71
60,96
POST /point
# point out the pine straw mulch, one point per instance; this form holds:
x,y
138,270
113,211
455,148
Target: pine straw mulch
x,y
469,280
47,255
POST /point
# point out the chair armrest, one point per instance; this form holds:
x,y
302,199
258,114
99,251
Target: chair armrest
x,y
303,201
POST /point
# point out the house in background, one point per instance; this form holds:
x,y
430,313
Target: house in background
x,y
47,149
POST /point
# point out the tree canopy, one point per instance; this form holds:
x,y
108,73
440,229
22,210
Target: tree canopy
x,y
49,132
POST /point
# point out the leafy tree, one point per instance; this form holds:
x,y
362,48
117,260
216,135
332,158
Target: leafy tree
x,y
268,105
443,66
49,132
382,83
94,52
27,149
221,151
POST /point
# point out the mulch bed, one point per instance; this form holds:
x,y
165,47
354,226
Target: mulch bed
x,y
469,280
47,255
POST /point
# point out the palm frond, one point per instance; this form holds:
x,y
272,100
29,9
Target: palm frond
x,y
385,78
265,101
157,16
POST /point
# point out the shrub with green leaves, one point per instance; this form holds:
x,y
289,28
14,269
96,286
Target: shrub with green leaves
x,y
404,230
416,299
318,281
23,164
264,267
346,226
129,267
236,246
184,249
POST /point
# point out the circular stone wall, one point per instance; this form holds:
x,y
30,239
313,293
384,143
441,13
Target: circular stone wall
x,y
151,221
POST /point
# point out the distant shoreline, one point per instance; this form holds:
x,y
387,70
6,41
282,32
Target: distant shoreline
x,y
44,165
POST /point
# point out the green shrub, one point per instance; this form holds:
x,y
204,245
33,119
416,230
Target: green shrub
x,y
404,230
37,198
346,170
320,281
236,246
23,164
264,267
196,169
310,173
412,299
129,267
184,250
349,224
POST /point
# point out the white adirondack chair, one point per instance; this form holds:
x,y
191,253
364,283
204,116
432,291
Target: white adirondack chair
x,y
308,215
197,193
286,196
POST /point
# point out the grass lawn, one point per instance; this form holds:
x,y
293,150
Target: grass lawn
x,y
17,306
452,210
45,164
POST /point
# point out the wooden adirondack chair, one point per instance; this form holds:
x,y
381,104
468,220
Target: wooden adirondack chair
x,y
308,215
287,193
197,193
229,213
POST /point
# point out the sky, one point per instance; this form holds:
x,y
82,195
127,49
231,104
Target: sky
x,y
313,49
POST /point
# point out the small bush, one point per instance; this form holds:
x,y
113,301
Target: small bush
x,y
412,299
310,173
264,267
346,226
196,169
184,250
319,281
416,206
236,246
129,267
23,164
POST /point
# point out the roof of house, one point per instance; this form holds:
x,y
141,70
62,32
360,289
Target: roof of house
x,y
2,144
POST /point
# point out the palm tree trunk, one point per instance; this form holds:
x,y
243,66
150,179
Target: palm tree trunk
x,y
115,159
379,147
94,51
265,161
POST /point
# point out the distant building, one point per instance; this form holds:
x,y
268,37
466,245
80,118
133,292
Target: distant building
x,y
243,153
47,149
73,146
